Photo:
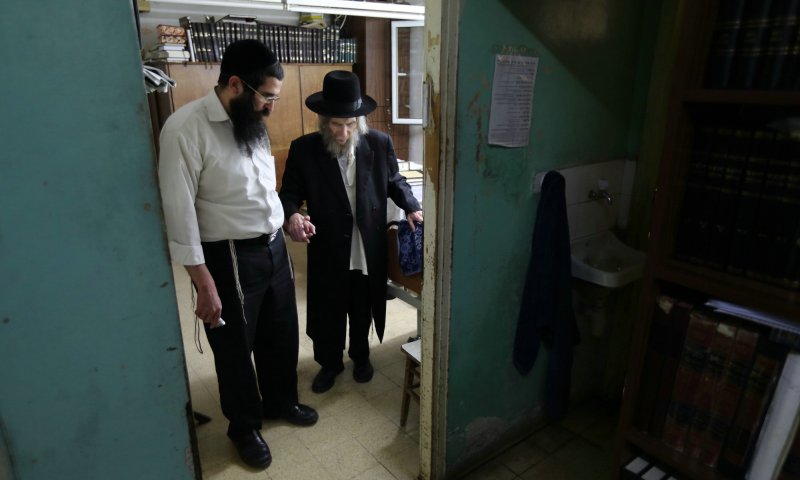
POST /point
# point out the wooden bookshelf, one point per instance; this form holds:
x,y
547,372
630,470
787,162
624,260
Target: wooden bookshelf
x,y
690,103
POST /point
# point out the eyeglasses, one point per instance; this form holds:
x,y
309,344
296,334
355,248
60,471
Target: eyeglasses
x,y
270,99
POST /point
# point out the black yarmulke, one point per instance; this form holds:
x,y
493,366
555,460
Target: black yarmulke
x,y
246,56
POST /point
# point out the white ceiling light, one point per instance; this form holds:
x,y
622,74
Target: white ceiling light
x,y
251,4
358,8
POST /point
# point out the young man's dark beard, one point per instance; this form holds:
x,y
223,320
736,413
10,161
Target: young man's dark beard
x,y
334,148
249,130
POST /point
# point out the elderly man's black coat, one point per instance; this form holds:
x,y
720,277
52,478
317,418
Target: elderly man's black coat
x,y
312,175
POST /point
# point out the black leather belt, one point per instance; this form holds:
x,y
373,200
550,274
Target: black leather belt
x,y
263,239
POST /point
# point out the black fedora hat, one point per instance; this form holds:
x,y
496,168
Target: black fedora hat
x,y
340,97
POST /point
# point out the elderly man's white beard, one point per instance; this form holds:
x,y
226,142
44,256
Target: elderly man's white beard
x,y
337,150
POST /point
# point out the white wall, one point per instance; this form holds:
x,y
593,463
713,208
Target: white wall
x,y
587,216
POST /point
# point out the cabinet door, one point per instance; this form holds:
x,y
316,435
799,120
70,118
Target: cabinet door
x,y
311,77
285,123
193,81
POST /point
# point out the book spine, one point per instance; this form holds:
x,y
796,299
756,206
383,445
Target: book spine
x,y
186,23
216,40
755,24
726,396
712,196
694,356
761,380
723,46
761,262
686,242
741,246
724,216
790,76
711,379
786,255
778,43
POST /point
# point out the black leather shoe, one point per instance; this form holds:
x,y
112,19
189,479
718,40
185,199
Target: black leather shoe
x,y
253,449
325,379
362,371
298,414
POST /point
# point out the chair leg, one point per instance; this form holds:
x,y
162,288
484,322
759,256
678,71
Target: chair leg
x,y
408,380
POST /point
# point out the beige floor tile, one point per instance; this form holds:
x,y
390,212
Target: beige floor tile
x,y
522,456
345,459
388,404
404,465
551,438
292,460
378,472
576,460
493,470
235,471
384,438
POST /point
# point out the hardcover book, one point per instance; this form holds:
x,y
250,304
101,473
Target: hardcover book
x,y
723,45
738,446
755,25
711,381
725,397
694,356
744,224
783,23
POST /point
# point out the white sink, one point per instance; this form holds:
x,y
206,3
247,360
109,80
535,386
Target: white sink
x,y
603,260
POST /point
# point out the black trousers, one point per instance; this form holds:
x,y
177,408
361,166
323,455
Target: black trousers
x,y
262,329
356,305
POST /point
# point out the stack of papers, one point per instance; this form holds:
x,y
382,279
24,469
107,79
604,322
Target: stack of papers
x,y
155,80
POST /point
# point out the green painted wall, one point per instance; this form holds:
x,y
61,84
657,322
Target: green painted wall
x,y
589,102
92,378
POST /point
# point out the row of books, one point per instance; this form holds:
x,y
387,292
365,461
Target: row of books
x,y
756,45
741,210
721,385
208,40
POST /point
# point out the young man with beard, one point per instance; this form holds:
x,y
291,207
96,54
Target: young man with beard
x,y
344,173
224,220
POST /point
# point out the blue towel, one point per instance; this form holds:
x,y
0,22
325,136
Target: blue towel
x,y
409,248
546,316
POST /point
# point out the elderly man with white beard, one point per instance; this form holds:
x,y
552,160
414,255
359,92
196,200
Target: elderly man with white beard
x,y
344,174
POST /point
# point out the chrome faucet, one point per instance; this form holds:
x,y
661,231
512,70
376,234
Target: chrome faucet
x,y
601,193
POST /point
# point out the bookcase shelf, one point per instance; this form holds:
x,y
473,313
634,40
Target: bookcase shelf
x,y
730,168
743,97
715,284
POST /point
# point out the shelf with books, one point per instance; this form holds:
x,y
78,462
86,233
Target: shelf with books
x,y
729,195
726,286
717,384
726,227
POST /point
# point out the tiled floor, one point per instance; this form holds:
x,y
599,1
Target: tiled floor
x,y
358,434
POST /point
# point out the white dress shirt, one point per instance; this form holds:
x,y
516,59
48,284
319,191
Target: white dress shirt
x,y
210,189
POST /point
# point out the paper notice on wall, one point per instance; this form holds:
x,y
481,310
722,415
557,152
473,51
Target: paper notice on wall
x,y
512,100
